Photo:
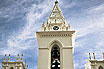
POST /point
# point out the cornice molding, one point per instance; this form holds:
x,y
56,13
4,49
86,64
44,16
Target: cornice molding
x,y
65,47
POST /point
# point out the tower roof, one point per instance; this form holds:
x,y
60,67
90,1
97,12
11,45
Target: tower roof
x,y
56,15
56,21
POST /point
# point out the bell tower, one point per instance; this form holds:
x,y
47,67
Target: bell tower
x,y
56,42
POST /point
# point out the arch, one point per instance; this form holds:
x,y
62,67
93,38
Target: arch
x,y
55,42
52,45
55,57
11,68
100,67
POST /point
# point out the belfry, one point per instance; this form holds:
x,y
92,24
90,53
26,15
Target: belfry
x,y
56,42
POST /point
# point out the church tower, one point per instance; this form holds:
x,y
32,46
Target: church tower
x,y
56,42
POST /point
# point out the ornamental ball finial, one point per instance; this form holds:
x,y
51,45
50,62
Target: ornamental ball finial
x,y
56,2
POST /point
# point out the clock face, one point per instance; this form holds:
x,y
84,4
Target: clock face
x,y
55,27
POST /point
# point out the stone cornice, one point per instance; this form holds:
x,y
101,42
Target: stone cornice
x,y
55,34
12,62
96,61
66,47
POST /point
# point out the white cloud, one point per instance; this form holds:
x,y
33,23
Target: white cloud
x,y
93,25
76,65
96,9
70,5
16,43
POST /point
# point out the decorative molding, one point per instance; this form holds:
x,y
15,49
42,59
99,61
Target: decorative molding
x,y
55,35
43,48
5,66
67,47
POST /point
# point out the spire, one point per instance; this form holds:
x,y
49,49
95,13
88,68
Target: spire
x,y
103,55
5,58
27,66
43,24
56,19
18,58
94,56
43,27
25,63
9,58
89,56
56,15
68,27
22,58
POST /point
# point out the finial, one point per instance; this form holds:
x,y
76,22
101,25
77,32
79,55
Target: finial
x,y
55,20
25,63
9,58
18,58
68,27
103,55
43,24
22,58
5,58
94,55
47,21
56,2
89,56
68,23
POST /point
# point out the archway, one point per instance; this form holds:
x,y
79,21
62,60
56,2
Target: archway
x,y
11,68
55,57
100,67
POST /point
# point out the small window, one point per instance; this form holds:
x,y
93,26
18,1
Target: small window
x,y
100,67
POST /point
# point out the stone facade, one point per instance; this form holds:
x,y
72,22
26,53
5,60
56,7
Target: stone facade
x,y
18,64
94,63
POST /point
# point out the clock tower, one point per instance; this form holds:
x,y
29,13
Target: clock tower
x,y
56,42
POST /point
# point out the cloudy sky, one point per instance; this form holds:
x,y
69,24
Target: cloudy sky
x,y
20,19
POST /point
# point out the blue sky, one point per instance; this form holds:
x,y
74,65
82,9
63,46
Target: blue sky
x,y
20,19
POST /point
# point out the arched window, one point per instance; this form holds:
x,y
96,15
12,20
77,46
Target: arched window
x,y
100,67
55,57
11,68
